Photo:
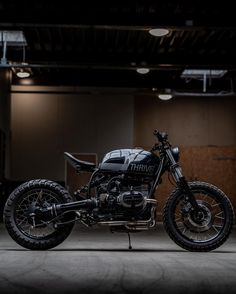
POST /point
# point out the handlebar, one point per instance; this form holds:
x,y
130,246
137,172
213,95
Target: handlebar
x,y
161,136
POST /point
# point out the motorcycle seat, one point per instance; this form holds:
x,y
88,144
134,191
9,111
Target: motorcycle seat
x,y
79,165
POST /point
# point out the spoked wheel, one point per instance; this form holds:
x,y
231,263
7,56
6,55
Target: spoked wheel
x,y
204,230
25,220
25,226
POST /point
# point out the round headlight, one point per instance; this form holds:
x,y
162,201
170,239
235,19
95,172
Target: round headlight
x,y
175,152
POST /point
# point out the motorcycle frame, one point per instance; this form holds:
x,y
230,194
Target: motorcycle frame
x,y
167,162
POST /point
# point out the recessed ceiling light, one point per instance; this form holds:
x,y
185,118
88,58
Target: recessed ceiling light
x,y
23,74
159,32
143,70
165,96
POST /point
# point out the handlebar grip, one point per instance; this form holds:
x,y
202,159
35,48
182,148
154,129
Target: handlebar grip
x,y
161,136
155,132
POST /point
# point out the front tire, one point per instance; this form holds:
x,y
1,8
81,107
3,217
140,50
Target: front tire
x,y
17,209
209,231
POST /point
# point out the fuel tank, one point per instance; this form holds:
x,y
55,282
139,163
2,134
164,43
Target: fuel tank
x,y
131,161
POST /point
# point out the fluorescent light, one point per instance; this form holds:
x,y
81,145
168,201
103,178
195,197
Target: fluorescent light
x,y
159,32
199,73
165,96
143,70
13,38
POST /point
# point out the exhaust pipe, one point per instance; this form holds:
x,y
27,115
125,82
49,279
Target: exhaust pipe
x,y
135,225
59,209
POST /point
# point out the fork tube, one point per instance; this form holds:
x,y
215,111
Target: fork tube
x,y
181,181
157,178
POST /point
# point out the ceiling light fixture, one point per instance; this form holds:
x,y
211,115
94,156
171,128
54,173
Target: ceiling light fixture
x,y
22,73
165,96
159,32
143,70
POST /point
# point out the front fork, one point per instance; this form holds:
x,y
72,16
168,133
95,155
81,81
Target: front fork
x,y
182,182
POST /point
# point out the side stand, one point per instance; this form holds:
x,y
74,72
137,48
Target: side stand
x,y
130,247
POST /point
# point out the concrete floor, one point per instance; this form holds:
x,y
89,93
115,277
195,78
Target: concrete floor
x,y
95,261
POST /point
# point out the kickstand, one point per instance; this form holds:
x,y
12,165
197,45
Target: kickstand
x,y
130,247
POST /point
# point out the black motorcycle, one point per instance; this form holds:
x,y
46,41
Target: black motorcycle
x,y
198,216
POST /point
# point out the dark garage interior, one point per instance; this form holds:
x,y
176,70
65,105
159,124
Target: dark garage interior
x,y
91,77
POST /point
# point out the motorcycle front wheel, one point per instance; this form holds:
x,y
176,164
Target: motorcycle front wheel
x,y
202,231
19,224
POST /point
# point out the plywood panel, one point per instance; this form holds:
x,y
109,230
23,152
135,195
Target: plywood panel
x,y
203,126
216,165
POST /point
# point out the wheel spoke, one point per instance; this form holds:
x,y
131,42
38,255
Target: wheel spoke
x,y
39,198
218,226
217,204
219,217
184,230
214,227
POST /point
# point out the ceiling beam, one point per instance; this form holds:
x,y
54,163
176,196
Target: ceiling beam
x,y
177,27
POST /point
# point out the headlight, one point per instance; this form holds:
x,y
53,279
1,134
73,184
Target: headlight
x,y
175,152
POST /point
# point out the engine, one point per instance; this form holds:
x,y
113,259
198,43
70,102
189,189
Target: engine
x,y
121,199
132,198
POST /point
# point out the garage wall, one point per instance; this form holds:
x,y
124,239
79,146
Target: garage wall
x,y
198,121
5,113
205,130
3,99
45,124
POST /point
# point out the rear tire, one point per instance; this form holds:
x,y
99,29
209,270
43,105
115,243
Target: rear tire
x,y
17,200
215,227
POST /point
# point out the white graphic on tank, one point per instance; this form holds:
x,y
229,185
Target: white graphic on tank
x,y
142,168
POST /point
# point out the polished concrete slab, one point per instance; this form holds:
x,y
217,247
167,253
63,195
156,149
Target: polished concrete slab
x,y
96,261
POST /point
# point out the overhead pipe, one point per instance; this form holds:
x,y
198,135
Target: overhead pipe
x,y
90,66
195,94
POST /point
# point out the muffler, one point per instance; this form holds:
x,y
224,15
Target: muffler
x,y
139,225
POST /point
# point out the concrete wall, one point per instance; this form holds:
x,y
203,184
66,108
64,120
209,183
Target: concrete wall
x,y
45,124
5,112
198,121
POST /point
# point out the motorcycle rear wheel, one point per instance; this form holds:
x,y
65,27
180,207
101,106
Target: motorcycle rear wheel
x,y
18,222
204,232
